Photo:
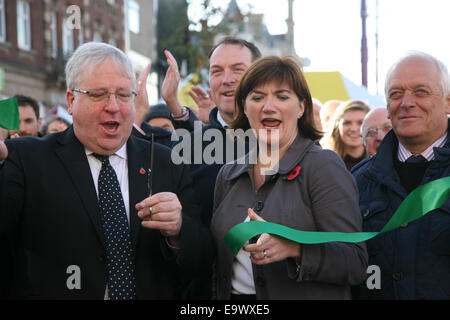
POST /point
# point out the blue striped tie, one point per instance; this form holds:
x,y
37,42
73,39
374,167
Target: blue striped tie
x,y
121,282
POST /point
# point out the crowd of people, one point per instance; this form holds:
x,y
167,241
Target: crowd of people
x,y
104,195
31,124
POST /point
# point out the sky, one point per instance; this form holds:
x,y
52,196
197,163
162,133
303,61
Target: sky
x,y
328,32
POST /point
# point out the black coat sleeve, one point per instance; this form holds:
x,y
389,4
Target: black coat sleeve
x,y
196,253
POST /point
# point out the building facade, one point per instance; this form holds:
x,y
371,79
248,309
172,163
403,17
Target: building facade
x,y
38,36
141,39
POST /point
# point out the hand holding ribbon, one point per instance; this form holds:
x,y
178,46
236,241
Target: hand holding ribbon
x,y
270,248
419,202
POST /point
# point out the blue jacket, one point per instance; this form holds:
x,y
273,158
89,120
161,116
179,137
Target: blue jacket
x,y
161,135
414,259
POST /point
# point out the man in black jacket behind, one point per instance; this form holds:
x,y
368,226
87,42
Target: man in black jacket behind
x,y
228,61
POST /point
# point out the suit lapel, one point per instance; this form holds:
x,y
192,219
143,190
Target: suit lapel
x,y
138,165
73,157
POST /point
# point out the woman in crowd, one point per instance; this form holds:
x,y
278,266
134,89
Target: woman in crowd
x,y
344,136
306,189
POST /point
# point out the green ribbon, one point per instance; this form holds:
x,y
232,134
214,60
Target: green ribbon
x,y
419,202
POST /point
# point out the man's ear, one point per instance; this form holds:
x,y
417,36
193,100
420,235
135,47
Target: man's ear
x,y
447,106
69,98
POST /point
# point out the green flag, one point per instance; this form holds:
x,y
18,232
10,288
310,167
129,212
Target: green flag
x,y
9,114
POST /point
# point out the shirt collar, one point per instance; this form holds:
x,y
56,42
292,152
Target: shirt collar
x,y
221,121
291,158
122,152
428,154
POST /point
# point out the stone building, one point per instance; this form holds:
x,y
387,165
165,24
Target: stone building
x,y
38,36
141,39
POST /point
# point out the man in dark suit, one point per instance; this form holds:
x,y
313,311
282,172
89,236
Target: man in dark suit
x,y
56,238
228,60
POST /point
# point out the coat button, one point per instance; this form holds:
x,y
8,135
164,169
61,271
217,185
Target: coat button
x,y
307,276
259,206
260,282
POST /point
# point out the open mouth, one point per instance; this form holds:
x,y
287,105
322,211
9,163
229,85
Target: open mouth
x,y
110,127
271,123
228,94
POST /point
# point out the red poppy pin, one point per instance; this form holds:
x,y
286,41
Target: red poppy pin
x,y
293,174
142,171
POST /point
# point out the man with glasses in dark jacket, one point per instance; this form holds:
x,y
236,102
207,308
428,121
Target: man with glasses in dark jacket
x,y
414,258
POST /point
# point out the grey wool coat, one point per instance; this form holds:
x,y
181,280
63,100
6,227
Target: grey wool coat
x,y
323,197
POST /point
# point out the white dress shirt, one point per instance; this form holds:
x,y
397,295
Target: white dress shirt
x,y
119,162
221,121
242,278
403,154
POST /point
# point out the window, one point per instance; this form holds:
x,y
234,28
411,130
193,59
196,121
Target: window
x,y
97,37
2,21
80,35
23,25
133,16
112,42
67,38
54,35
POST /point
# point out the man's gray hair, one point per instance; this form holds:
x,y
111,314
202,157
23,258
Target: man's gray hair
x,y
89,55
445,80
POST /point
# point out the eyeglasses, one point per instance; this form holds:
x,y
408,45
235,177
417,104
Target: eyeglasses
x,y
373,132
97,95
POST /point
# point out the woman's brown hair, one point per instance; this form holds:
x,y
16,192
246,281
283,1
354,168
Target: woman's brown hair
x,y
285,70
333,139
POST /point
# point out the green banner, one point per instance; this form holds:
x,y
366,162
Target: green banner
x,y
9,114
419,202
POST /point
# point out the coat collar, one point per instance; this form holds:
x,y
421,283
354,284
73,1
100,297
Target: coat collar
x,y
381,166
293,156
74,158
383,160
138,152
213,119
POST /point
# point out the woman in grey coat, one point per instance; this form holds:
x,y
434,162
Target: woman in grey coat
x,y
287,180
